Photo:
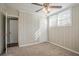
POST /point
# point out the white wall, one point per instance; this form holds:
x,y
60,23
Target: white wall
x,y
2,11
11,11
32,28
1,33
2,8
67,36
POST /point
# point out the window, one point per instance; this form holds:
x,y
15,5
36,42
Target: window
x,y
53,21
61,19
64,18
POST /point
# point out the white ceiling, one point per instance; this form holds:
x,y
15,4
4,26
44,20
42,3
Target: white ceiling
x,y
28,7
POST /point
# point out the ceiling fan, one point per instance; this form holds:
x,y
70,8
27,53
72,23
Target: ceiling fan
x,y
45,7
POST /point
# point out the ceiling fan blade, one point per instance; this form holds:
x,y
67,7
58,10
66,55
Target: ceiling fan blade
x,y
55,6
37,4
38,10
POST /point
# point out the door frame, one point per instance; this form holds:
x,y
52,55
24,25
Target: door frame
x,y
11,18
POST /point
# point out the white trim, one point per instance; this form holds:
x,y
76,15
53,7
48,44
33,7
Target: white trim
x,y
65,47
13,15
6,33
47,28
29,44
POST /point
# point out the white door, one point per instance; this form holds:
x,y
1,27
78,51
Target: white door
x,y
13,31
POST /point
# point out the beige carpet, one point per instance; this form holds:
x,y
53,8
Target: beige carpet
x,y
43,49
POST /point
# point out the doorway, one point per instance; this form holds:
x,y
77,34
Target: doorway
x,y
12,31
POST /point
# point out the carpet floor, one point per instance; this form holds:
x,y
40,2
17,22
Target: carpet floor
x,y
42,49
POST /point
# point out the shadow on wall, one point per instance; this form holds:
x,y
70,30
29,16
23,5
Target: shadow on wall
x,y
42,30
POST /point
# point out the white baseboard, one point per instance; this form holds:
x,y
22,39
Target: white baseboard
x,y
29,44
64,47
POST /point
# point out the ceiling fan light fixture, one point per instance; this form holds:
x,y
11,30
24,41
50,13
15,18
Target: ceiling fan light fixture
x,y
49,9
46,7
45,10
